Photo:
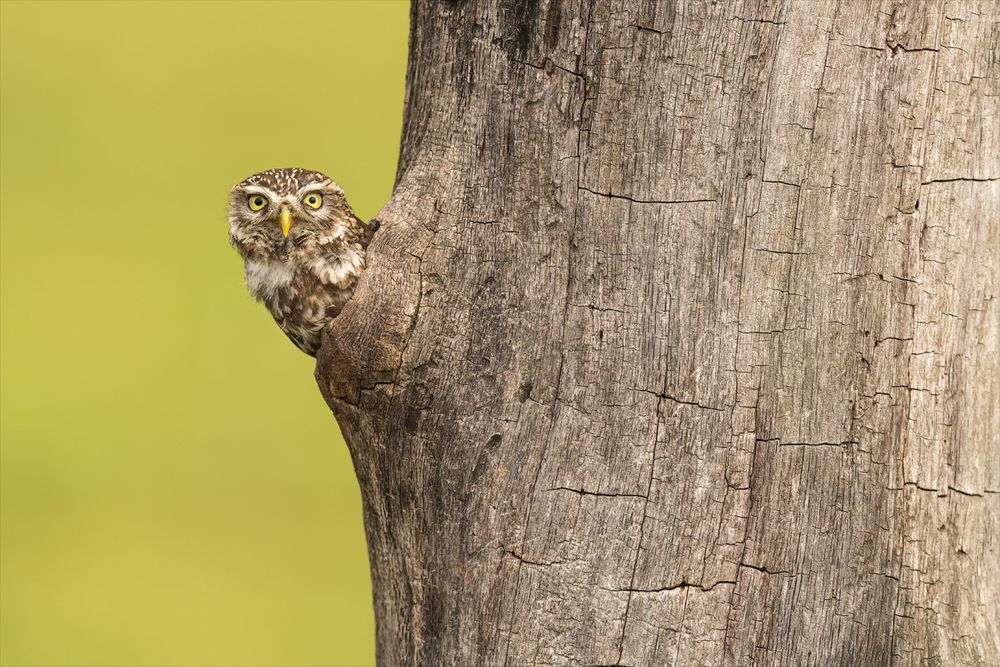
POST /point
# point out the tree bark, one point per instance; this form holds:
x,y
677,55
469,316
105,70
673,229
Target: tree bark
x,y
679,341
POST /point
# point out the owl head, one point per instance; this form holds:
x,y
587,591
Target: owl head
x,y
279,210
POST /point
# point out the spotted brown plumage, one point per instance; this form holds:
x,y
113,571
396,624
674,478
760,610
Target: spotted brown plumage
x,y
302,246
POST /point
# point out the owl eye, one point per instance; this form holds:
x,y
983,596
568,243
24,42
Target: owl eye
x,y
313,200
256,202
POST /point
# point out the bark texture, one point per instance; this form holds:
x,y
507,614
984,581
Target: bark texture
x,y
679,342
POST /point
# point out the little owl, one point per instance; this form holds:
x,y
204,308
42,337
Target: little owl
x,y
302,245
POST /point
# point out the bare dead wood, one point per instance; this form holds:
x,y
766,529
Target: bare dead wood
x,y
679,343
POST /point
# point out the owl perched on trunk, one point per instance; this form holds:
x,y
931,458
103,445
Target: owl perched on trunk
x,y
303,247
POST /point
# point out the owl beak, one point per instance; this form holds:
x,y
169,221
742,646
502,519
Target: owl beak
x,y
286,221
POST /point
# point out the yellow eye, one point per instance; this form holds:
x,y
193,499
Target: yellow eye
x,y
256,202
313,200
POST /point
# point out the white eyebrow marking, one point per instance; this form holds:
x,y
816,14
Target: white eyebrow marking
x,y
260,190
305,189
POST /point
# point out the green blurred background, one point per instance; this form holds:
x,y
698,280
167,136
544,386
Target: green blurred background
x,y
173,489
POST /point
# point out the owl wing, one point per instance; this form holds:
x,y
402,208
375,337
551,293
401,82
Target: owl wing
x,y
339,266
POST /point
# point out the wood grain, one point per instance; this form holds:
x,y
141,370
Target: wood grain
x,y
680,341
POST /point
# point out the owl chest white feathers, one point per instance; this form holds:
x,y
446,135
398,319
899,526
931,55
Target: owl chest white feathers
x,y
265,279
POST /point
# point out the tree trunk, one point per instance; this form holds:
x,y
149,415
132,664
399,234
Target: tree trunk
x,y
679,342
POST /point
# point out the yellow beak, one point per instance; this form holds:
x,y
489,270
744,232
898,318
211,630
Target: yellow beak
x,y
286,221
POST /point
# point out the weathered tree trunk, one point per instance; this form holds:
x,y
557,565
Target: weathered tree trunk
x,y
679,343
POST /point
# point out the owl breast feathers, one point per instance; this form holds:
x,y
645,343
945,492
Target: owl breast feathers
x,y
302,246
